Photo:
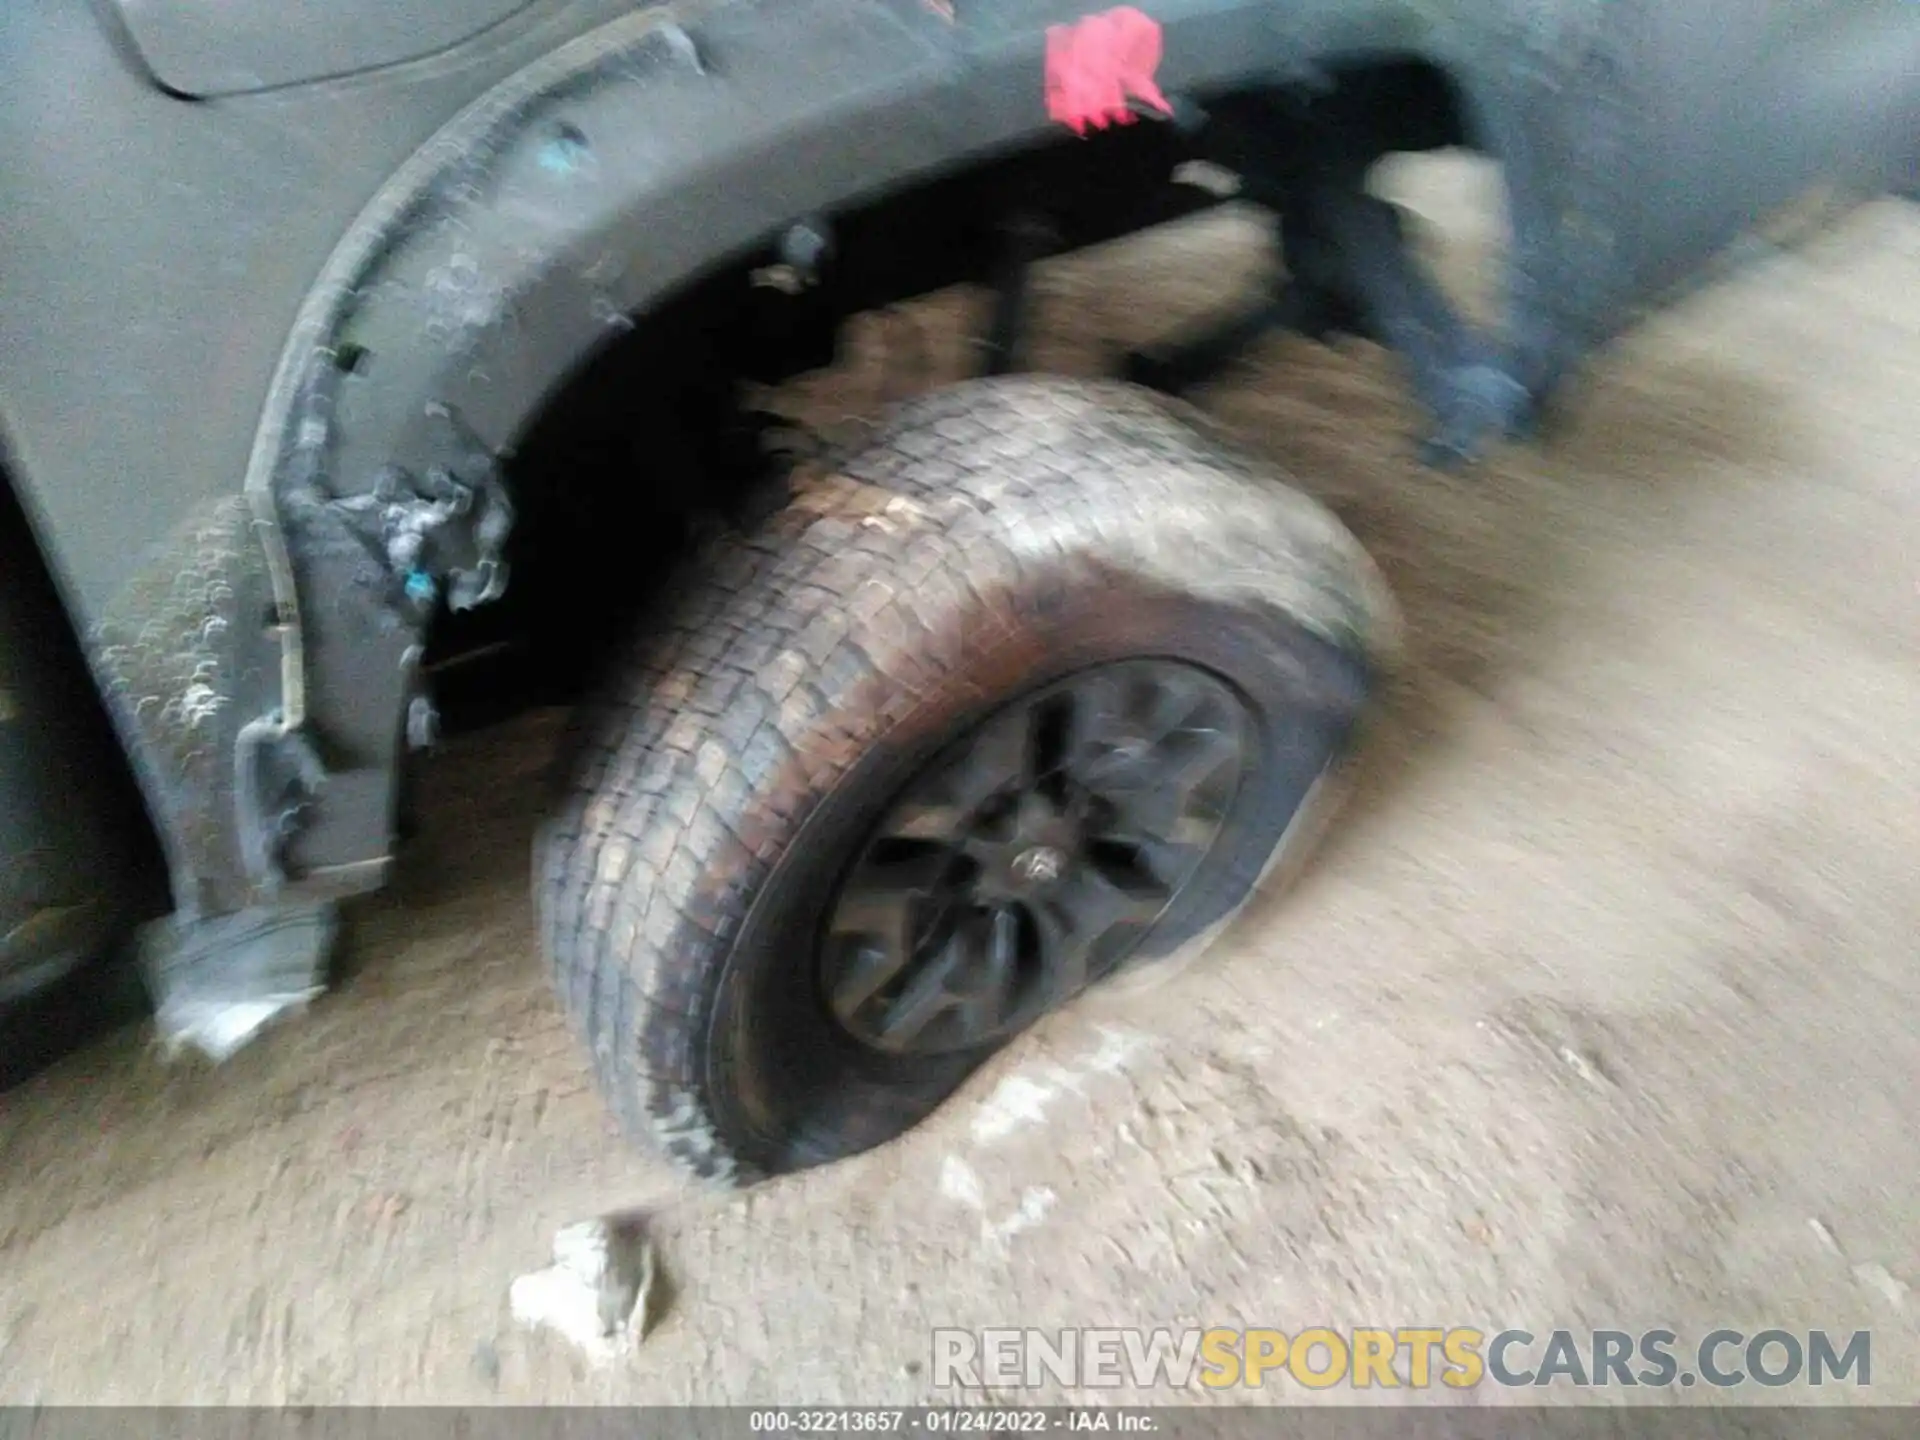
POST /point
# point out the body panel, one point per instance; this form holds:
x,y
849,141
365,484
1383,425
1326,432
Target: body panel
x,y
1752,106
207,48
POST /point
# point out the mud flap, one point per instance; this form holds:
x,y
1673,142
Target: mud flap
x,y
186,659
218,982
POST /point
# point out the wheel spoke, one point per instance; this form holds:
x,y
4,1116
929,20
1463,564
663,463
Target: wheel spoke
x,y
1184,832
1033,857
925,997
989,995
1002,758
1099,714
1073,922
1063,948
864,977
1197,756
881,885
1095,903
875,923
1003,941
1121,769
1174,766
1121,745
885,916
1177,699
1167,862
1159,808
1142,811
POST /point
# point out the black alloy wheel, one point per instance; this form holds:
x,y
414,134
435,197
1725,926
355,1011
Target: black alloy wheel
x,y
1031,857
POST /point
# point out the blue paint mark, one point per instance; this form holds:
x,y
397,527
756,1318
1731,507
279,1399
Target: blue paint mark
x,y
420,587
565,152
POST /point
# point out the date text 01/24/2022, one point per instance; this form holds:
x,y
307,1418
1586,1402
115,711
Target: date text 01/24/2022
x,y
943,1421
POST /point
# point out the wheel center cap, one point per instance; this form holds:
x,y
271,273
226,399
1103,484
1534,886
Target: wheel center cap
x,y
1039,865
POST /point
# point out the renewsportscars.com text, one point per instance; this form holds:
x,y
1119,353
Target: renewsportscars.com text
x,y
1409,1357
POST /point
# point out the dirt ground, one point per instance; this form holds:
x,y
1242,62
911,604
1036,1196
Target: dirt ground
x,y
1599,1008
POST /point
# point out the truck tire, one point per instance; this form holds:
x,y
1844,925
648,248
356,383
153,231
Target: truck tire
x,y
1031,684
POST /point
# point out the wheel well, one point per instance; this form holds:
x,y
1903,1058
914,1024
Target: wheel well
x,y
652,436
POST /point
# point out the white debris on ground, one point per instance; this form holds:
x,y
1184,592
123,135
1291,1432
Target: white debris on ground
x,y
595,1293
1021,1101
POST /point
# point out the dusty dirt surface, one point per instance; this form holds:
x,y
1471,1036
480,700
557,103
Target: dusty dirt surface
x,y
1599,1008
